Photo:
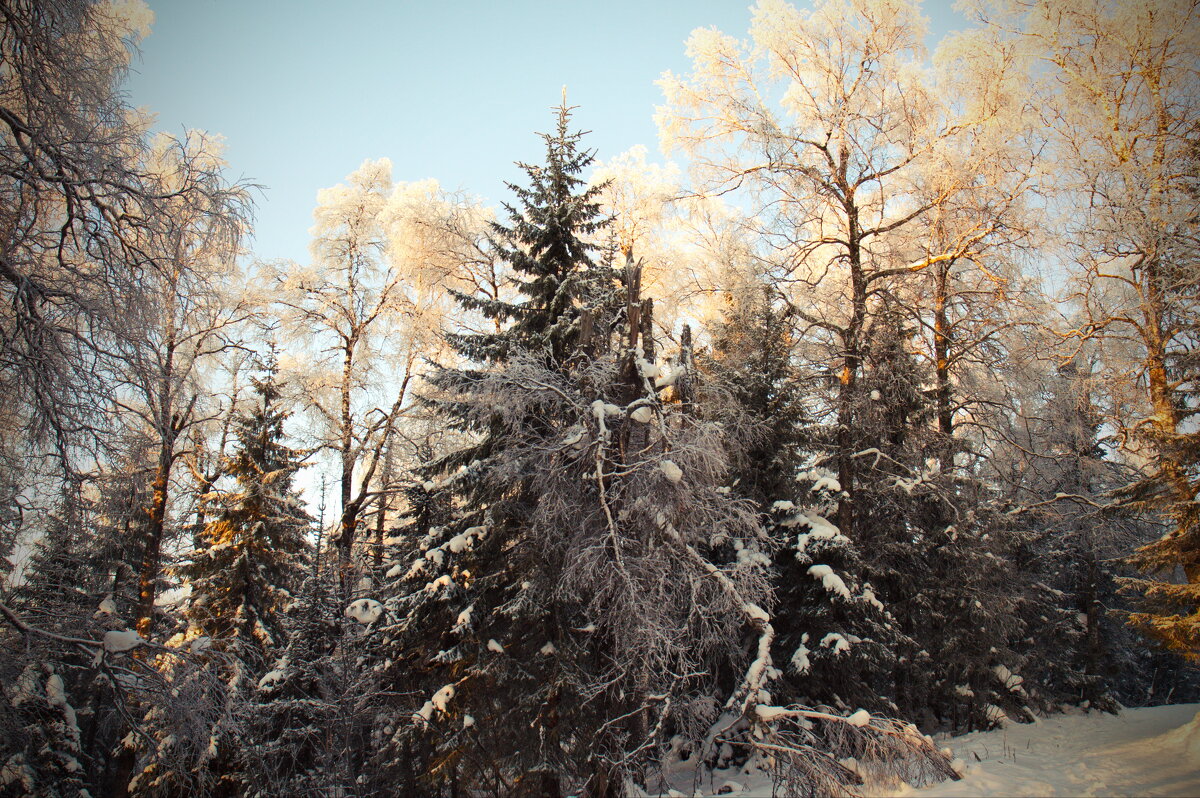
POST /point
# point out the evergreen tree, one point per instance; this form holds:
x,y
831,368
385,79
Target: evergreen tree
x,y
64,714
256,545
42,757
242,583
308,719
549,245
1073,555
752,362
569,623
933,549
43,747
831,640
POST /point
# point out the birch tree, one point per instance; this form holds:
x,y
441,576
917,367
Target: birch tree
x,y
1121,92
831,125
189,314
364,312
81,211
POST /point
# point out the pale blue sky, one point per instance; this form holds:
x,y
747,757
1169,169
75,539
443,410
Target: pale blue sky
x,y
304,91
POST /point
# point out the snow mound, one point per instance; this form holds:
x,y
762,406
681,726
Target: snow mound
x,y
860,718
1185,739
365,611
115,642
829,580
672,472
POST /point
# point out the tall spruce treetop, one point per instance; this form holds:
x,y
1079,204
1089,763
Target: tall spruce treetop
x,y
547,243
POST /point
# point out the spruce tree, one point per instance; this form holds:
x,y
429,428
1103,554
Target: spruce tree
x,y
256,546
570,627
752,362
44,739
1072,556
306,723
831,638
549,244
933,548
242,582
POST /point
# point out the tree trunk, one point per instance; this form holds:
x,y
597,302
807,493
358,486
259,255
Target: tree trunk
x,y
848,379
349,518
152,542
941,351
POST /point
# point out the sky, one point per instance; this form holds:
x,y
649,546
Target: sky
x,y
304,91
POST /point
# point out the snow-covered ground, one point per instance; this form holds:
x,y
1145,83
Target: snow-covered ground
x,y
1152,751
1141,752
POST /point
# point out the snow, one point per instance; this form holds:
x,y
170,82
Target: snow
x,y
464,619
800,661
868,595
442,697
826,483
768,713
1153,751
672,472
750,558
365,611
55,692
492,645
107,606
1149,751
600,409
1010,680
818,526
836,641
270,678
171,597
755,612
465,540
860,718
829,580
56,695
117,641
642,415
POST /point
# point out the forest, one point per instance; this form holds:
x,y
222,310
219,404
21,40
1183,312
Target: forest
x,y
868,415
